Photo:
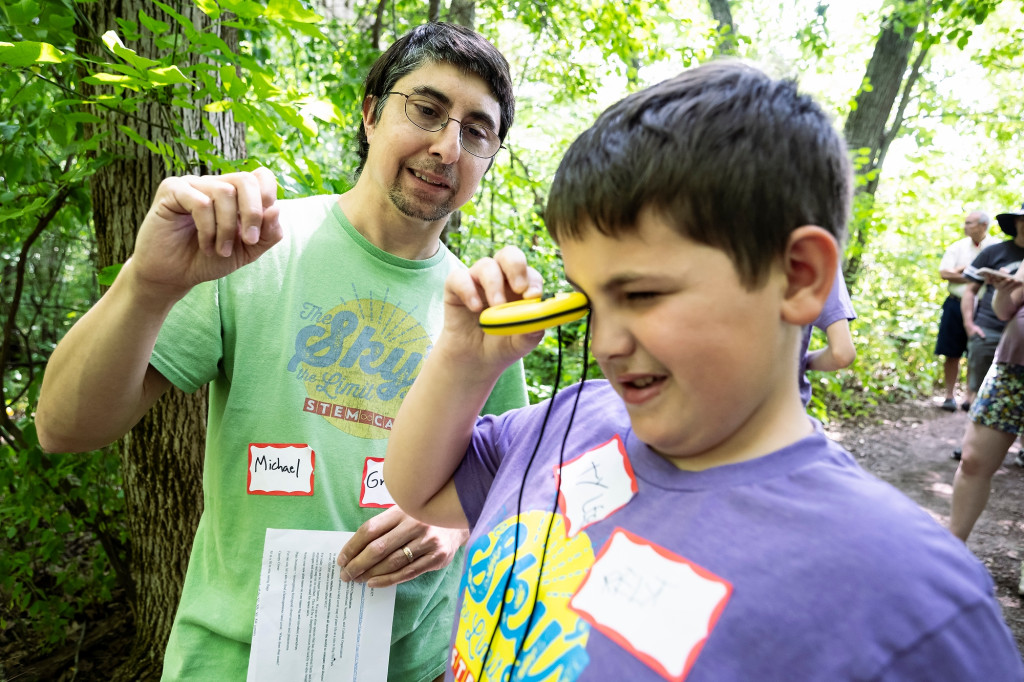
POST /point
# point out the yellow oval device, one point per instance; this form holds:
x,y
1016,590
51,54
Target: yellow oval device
x,y
533,314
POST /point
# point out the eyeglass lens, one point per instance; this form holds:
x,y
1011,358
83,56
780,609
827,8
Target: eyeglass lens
x,y
429,115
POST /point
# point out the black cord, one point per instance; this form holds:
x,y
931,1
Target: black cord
x,y
554,507
519,505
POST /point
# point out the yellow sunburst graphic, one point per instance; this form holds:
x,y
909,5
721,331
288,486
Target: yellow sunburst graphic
x,y
555,645
357,362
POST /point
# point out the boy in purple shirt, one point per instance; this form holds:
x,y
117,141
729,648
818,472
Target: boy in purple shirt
x,y
838,351
683,519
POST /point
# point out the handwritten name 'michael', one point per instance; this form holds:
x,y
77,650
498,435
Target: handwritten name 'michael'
x,y
261,463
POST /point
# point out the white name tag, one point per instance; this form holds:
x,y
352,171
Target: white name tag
x,y
654,603
595,485
374,493
280,469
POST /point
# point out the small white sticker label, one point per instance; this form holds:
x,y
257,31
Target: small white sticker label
x,y
374,493
280,469
595,485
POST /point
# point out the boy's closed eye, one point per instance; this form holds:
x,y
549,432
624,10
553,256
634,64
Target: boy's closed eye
x,y
637,296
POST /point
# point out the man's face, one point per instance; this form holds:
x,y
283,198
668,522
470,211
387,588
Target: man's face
x,y
974,228
692,352
427,175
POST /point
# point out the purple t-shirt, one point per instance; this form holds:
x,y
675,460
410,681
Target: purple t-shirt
x,y
837,307
797,565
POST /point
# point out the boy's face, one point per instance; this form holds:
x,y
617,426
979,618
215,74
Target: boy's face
x,y
704,366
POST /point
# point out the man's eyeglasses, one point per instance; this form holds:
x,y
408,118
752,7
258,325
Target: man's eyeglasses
x,y
430,115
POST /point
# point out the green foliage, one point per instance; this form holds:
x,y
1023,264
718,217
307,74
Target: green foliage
x,y
62,518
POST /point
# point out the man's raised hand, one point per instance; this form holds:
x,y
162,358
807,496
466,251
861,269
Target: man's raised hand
x,y
203,228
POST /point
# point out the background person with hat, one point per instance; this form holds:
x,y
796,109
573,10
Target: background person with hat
x,y
952,338
982,325
997,414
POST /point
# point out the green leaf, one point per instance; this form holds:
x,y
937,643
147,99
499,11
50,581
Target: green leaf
x,y
209,8
130,29
245,9
107,275
155,26
22,13
28,52
323,110
112,79
218,106
167,75
291,11
262,85
114,44
182,21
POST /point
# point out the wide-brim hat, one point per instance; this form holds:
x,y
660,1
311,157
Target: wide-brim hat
x,y
1008,221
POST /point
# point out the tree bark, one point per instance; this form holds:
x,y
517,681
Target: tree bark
x,y
722,13
462,12
867,129
162,457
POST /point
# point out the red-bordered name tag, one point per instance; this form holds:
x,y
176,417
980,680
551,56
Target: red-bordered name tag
x,y
280,469
373,492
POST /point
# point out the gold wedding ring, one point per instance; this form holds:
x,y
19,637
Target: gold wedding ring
x,y
408,554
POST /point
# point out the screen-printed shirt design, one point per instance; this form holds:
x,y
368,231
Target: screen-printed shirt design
x,y
357,361
556,643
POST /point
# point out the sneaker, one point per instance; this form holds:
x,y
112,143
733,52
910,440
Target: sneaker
x,y
949,405
965,406
957,453
1019,459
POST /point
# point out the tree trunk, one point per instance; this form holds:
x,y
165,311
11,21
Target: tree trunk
x,y
867,128
722,13
162,456
462,12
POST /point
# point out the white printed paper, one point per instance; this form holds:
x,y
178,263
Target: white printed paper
x,y
655,604
311,626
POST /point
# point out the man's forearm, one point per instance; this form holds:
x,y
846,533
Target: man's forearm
x,y
98,382
967,308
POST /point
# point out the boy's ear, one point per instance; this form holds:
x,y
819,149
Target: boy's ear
x,y
810,262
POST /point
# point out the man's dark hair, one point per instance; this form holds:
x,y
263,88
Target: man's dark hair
x,y
730,157
439,43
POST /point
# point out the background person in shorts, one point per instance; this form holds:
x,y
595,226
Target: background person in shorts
x,y
997,414
952,340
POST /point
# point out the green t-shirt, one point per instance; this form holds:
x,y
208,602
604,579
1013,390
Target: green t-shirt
x,y
312,347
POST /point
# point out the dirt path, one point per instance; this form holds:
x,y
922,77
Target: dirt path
x,y
909,445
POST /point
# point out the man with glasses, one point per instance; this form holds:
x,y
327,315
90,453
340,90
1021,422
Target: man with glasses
x,y
952,339
309,318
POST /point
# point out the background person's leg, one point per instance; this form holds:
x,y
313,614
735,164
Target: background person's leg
x,y
951,372
983,451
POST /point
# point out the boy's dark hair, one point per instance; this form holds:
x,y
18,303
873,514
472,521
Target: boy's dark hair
x,y
443,43
730,157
